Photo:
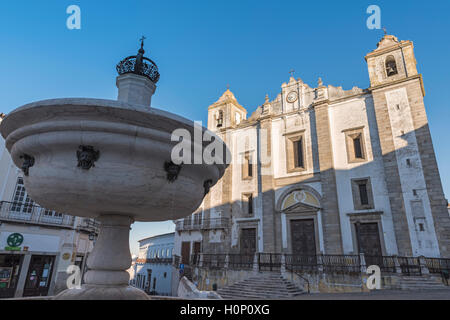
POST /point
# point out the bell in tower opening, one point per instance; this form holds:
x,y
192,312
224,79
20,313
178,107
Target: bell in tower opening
x,y
391,66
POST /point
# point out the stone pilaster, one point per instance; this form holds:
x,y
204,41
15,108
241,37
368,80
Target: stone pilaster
x,y
330,210
391,172
265,179
429,166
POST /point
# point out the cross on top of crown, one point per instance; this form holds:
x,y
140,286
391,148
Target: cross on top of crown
x,y
142,41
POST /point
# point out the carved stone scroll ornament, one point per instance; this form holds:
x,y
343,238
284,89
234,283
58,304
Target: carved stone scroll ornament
x,y
87,156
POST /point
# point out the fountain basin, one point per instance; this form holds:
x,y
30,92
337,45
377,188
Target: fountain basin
x,y
129,177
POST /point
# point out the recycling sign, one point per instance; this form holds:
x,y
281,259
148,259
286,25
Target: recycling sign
x,y
14,241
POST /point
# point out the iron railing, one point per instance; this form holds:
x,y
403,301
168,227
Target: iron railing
x,y
269,261
241,261
176,261
90,225
213,261
202,224
301,263
31,213
410,266
438,265
317,263
386,263
195,259
340,263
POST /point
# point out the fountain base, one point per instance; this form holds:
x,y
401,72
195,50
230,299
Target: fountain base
x,y
102,292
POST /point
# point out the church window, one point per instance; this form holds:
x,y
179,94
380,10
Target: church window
x,y
357,147
362,194
247,166
247,201
298,151
295,152
354,140
391,66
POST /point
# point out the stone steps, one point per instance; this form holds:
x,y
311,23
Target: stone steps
x,y
421,283
263,286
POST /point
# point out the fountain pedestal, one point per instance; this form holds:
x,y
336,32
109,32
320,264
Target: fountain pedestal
x,y
107,277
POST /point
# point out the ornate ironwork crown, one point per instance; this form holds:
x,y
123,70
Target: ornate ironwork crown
x,y
139,65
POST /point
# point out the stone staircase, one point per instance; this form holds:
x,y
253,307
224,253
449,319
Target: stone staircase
x,y
421,283
265,285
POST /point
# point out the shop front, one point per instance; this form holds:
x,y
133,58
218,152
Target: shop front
x,y
27,264
39,276
10,266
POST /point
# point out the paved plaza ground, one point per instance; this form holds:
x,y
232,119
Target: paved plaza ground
x,y
439,294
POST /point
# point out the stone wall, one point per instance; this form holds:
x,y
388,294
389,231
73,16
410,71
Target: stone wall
x,y
205,279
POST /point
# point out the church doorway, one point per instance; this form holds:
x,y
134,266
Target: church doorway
x,y
248,241
303,237
368,238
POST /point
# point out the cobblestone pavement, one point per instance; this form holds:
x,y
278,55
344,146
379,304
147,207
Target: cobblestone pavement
x,y
439,294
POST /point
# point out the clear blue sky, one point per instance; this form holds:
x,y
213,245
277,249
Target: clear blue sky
x,y
201,46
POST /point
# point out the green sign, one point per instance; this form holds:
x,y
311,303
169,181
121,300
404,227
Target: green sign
x,y
14,240
12,248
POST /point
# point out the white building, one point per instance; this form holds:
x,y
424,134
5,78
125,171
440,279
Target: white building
x,y
323,170
36,245
152,270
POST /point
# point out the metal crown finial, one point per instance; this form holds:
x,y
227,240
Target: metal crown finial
x,y
139,64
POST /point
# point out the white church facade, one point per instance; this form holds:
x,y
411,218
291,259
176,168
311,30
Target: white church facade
x,y
322,170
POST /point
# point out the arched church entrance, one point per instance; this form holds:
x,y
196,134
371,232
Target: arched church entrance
x,y
300,210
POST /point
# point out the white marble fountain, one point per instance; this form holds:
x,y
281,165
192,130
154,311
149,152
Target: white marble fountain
x,y
109,160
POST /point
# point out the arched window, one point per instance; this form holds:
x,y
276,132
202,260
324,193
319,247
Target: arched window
x,y
391,66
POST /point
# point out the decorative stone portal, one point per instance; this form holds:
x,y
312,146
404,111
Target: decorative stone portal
x,y
300,217
300,196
